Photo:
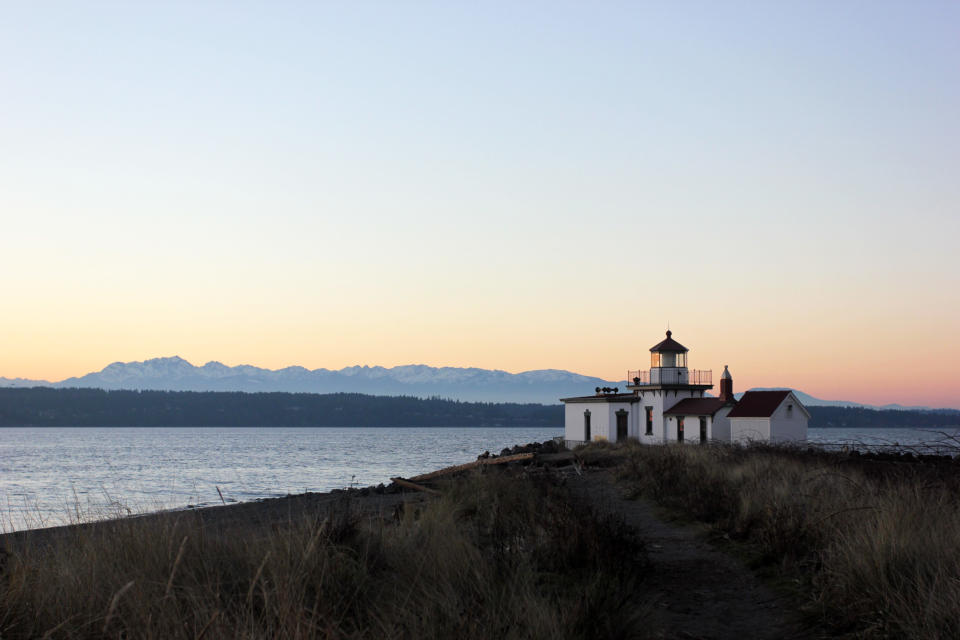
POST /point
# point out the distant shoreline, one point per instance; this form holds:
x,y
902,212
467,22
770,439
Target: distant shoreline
x,y
275,426
45,407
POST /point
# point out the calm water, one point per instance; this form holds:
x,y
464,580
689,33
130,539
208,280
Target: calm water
x,y
52,476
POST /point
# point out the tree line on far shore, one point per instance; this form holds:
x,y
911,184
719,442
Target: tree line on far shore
x,y
45,407
863,418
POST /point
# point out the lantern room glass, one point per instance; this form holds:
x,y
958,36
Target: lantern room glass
x,y
668,359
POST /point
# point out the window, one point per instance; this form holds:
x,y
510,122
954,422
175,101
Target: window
x,y
586,425
679,428
654,359
789,411
649,411
681,359
703,429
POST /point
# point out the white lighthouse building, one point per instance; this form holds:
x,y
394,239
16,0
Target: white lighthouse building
x,y
668,403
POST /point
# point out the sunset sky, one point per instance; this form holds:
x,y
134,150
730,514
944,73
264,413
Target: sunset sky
x,y
516,185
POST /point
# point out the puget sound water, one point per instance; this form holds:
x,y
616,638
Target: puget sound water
x,y
56,475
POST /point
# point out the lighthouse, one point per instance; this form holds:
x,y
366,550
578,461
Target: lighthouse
x,y
669,403
639,413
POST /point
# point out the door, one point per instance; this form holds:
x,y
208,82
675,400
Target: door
x,y
621,425
703,429
679,428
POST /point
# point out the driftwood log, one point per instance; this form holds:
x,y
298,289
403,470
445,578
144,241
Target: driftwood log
x,y
470,465
413,485
414,482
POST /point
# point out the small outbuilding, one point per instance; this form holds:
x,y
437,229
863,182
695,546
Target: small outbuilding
x,y
772,416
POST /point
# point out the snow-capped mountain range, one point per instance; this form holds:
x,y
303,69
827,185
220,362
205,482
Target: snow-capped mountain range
x,y
176,374
544,386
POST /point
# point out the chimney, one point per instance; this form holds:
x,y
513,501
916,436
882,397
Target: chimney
x,y
726,387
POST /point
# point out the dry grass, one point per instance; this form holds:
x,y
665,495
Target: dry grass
x,y
494,557
876,548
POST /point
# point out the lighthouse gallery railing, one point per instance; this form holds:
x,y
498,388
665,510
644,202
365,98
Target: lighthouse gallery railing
x,y
671,375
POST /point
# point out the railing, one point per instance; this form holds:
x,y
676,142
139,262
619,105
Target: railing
x,y
670,375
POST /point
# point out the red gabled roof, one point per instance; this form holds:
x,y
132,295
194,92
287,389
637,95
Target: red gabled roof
x,y
669,344
696,407
758,404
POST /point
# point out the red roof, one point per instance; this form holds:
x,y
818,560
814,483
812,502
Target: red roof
x,y
758,404
669,345
696,407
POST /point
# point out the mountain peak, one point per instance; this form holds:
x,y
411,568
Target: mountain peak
x,y
166,360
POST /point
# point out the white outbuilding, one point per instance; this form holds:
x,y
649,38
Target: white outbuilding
x,y
774,416
668,403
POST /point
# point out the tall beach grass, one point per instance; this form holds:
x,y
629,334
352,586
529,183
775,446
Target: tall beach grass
x,y
494,556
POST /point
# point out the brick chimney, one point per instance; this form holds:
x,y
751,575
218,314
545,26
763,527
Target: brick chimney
x,y
726,387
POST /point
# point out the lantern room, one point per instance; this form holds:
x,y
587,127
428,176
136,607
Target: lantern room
x,y
668,353
668,366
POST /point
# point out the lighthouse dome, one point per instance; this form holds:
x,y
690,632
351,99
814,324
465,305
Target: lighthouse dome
x,y
668,346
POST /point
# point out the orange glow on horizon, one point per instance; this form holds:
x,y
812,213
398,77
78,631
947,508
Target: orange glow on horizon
x,y
827,364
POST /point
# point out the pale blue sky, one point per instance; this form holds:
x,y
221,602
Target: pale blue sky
x,y
455,171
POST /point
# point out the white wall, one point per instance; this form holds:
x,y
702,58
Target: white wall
x,y
573,420
662,400
603,420
691,428
669,375
654,400
721,425
786,425
746,429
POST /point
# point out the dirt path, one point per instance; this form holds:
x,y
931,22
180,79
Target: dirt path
x,y
696,591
